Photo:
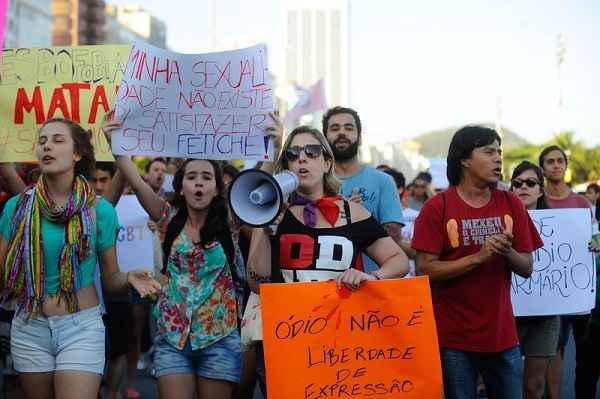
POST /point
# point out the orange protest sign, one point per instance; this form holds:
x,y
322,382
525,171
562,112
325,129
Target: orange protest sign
x,y
377,341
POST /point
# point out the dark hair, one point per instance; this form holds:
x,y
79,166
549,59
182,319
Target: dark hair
x,y
398,177
525,166
229,169
106,167
549,149
593,186
149,164
82,146
464,141
384,167
414,183
341,110
425,176
216,225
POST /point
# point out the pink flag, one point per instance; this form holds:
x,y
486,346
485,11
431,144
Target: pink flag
x,y
3,7
312,100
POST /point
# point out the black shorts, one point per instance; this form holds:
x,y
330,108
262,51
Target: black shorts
x,y
117,320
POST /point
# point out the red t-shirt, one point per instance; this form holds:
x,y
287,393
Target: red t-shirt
x,y
571,201
473,312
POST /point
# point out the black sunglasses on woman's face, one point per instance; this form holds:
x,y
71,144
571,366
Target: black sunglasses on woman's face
x,y
531,183
311,151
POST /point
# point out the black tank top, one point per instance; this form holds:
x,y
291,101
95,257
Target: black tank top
x,y
303,253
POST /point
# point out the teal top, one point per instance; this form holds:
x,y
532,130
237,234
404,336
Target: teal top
x,y
53,234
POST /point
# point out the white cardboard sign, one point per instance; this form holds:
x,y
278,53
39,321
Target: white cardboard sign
x,y
207,106
135,249
564,271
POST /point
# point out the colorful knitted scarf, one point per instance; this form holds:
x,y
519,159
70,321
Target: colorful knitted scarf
x,y
25,267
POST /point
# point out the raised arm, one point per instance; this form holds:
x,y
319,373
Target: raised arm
x,y
14,182
115,189
151,201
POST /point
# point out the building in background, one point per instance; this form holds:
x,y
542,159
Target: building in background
x,y
126,24
28,23
78,22
317,46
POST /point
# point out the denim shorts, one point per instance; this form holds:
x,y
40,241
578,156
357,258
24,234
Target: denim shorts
x,y
73,342
219,361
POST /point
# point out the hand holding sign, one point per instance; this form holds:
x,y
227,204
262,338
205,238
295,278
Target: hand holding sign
x,y
275,131
110,125
594,244
352,279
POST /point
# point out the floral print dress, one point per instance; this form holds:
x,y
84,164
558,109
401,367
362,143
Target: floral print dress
x,y
201,300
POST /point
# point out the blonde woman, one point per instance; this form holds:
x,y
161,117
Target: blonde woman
x,y
321,235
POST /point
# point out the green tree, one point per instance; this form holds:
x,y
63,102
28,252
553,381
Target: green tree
x,y
584,162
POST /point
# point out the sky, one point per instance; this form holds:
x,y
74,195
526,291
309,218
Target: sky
x,y
423,65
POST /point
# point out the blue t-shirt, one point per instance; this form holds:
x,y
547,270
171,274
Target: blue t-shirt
x,y
379,196
106,227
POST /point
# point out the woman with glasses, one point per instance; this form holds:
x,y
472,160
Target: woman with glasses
x,y
321,235
538,335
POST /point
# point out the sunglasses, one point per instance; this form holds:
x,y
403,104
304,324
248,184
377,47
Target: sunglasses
x,y
311,151
518,183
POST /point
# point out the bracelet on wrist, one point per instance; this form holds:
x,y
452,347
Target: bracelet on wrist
x,y
376,275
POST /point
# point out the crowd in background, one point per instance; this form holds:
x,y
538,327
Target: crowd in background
x,y
182,324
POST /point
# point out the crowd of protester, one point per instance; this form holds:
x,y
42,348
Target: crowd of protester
x,y
74,326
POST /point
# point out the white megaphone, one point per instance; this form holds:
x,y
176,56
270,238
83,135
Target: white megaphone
x,y
256,197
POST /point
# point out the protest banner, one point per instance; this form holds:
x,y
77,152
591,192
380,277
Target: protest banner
x,y
209,106
377,341
36,84
564,272
135,247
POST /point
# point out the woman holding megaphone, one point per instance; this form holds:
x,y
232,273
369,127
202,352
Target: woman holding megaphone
x,y
197,348
320,235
